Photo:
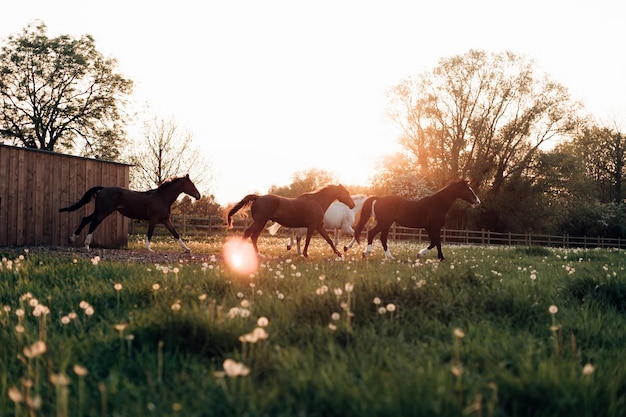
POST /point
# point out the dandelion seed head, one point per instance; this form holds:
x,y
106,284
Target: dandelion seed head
x,y
80,370
588,369
553,309
120,327
16,395
234,369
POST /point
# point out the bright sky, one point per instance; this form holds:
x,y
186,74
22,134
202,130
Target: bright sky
x,y
269,88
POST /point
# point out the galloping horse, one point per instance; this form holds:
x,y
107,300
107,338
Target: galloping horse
x,y
428,212
306,210
152,205
338,217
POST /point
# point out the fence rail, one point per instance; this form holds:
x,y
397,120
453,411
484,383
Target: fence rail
x,y
215,225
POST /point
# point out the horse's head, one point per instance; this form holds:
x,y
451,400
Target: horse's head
x,y
465,192
344,196
189,188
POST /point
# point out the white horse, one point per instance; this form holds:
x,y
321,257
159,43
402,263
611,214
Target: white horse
x,y
338,217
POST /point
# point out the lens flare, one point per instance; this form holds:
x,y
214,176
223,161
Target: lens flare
x,y
240,256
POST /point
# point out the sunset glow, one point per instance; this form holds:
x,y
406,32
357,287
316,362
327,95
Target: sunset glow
x,y
240,256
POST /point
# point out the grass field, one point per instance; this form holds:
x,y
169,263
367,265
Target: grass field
x,y
492,331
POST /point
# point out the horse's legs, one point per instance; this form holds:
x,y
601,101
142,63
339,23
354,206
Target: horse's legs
x,y
253,232
435,240
298,240
295,234
168,224
349,230
96,219
322,231
370,238
151,225
383,239
84,222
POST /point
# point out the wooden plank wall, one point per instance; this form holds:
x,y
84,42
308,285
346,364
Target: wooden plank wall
x,y
34,185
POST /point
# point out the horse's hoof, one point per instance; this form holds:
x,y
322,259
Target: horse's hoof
x,y
345,248
288,247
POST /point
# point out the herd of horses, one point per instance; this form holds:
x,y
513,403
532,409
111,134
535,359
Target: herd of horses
x,y
331,206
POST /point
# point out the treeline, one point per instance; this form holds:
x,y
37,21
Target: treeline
x,y
537,161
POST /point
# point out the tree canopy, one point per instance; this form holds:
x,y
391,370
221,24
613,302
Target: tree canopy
x,y
60,94
480,116
166,150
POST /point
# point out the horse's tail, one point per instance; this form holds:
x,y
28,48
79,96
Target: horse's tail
x,y
366,212
247,200
92,192
273,229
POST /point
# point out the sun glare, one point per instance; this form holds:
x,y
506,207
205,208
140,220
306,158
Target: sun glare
x,y
240,256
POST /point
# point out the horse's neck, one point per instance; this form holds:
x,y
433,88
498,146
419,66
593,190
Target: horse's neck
x,y
324,199
445,198
171,192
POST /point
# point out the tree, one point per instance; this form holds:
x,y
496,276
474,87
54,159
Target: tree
x,y
303,182
166,150
602,151
206,206
397,176
480,116
60,94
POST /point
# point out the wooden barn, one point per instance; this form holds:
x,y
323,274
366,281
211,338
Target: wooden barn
x,y
35,184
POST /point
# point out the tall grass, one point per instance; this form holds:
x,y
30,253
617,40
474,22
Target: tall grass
x,y
492,331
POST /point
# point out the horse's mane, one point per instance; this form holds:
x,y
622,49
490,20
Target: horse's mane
x,y
454,182
322,188
170,181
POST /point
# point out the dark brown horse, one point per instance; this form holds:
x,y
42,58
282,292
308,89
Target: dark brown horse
x,y
428,212
306,210
152,205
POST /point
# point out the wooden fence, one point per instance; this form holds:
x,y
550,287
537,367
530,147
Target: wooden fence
x,y
208,226
35,184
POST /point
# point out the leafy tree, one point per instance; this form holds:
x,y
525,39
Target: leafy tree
x,y
602,152
303,182
60,94
479,116
166,150
396,176
206,206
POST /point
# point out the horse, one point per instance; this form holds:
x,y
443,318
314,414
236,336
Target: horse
x,y
428,212
338,217
152,205
306,210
